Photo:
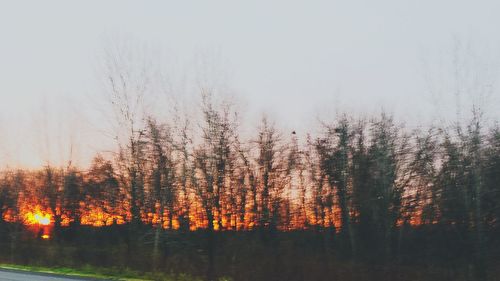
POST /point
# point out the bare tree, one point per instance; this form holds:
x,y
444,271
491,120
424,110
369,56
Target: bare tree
x,y
129,78
163,179
213,161
336,160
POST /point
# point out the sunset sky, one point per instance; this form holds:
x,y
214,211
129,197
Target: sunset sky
x,y
293,61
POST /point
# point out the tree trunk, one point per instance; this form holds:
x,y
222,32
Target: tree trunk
x,y
156,245
211,241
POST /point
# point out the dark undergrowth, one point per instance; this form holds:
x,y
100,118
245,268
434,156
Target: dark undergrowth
x,y
251,255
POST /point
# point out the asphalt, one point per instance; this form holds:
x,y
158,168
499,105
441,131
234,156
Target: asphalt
x,y
18,275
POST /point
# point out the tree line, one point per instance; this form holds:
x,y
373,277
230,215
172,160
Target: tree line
x,y
367,186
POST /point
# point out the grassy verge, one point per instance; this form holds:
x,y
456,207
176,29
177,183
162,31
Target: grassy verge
x,y
101,273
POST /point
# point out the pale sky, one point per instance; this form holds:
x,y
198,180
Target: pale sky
x,y
297,61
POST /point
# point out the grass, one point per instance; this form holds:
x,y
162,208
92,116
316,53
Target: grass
x,y
102,273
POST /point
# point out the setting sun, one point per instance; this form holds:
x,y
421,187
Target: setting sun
x,y
39,218
42,219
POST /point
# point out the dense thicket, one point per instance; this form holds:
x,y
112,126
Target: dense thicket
x,y
364,198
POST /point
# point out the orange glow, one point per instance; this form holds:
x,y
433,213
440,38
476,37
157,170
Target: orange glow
x,y
36,214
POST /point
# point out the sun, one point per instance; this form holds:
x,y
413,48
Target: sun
x,y
38,218
42,219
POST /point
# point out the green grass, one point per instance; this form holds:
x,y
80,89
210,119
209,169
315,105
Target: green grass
x,y
102,273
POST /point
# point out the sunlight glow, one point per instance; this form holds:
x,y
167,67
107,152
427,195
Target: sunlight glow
x,y
38,218
43,220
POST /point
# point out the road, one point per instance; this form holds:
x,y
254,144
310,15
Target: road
x,y
16,275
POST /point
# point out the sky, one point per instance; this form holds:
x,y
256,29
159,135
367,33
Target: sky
x,y
295,61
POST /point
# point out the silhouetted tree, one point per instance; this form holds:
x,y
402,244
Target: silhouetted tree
x,y
72,196
102,190
213,164
163,178
334,152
